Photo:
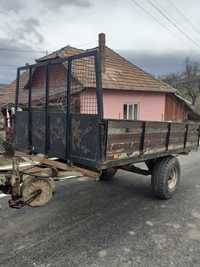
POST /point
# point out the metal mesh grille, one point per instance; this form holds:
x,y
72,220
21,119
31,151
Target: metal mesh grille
x,y
52,127
23,88
57,87
56,83
83,98
38,88
37,82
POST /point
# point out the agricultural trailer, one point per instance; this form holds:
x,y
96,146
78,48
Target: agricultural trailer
x,y
67,122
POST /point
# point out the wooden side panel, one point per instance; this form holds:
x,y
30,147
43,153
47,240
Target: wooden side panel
x,y
138,139
155,137
123,138
192,136
177,136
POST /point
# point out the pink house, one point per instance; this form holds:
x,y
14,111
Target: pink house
x,y
128,105
128,91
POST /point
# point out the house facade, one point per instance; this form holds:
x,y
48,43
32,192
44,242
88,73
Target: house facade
x,y
128,92
133,106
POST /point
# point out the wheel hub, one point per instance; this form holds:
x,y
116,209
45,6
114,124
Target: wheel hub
x,y
172,180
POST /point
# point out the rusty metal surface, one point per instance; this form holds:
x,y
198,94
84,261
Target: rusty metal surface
x,y
85,139
65,126
38,132
57,134
57,126
21,130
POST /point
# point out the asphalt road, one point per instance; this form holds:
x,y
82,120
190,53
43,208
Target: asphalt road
x,y
116,223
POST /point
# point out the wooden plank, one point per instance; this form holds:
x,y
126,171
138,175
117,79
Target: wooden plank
x,y
123,138
155,137
31,169
177,136
48,162
192,140
123,124
124,147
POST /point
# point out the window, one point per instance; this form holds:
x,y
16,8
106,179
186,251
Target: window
x,y
131,111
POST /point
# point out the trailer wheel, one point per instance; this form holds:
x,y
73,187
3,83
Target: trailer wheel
x,y
27,179
33,185
108,174
166,177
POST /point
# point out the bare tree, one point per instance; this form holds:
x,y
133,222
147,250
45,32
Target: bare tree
x,y
191,80
173,79
187,82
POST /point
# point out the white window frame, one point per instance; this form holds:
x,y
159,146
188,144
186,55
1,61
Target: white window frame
x,y
127,115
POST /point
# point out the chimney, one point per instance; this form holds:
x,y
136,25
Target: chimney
x,y
102,46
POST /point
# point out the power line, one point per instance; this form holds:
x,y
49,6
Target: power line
x,y
164,10
181,13
153,17
173,19
149,14
159,9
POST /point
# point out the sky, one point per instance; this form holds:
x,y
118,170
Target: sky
x,y
29,29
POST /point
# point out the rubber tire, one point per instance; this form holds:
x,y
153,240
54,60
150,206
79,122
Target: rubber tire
x,y
108,174
160,175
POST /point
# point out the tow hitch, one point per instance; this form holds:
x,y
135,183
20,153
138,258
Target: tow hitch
x,y
34,185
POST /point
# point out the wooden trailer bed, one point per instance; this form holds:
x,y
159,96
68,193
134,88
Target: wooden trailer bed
x,y
135,141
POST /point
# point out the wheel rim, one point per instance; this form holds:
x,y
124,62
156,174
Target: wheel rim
x,y
172,180
32,186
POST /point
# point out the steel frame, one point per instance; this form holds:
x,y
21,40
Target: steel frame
x,y
94,53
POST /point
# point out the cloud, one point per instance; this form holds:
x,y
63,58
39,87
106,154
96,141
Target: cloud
x,y
52,4
14,54
159,64
17,5
8,5
27,29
